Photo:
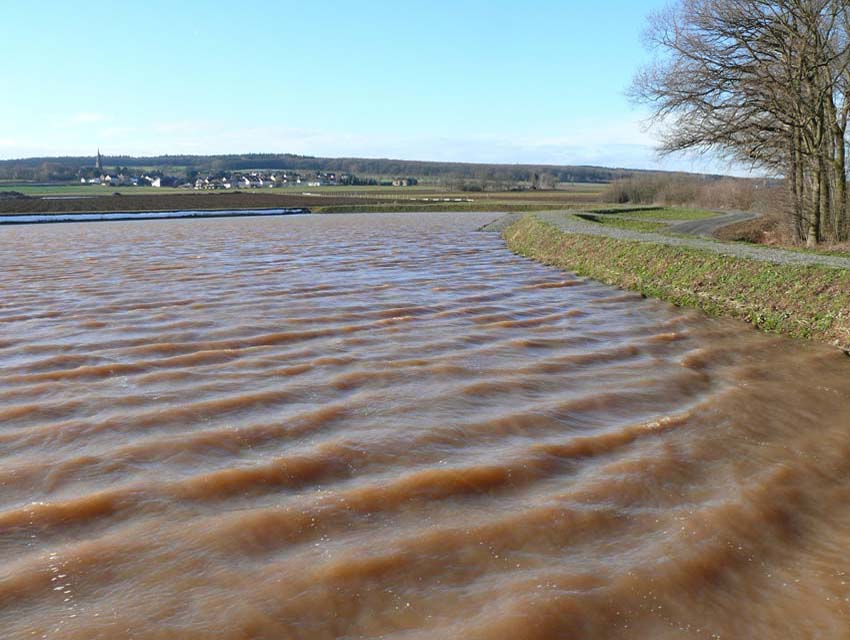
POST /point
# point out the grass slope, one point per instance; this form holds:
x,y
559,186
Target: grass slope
x,y
622,223
674,214
798,301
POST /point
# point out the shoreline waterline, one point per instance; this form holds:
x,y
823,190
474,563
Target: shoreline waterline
x,y
52,218
809,301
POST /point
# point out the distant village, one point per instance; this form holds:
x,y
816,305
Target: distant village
x,y
124,177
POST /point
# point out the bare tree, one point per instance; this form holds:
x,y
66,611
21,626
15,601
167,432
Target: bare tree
x,y
763,82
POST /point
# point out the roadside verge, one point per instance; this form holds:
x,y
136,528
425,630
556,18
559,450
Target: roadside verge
x,y
803,301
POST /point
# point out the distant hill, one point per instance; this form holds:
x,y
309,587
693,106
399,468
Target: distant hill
x,y
65,168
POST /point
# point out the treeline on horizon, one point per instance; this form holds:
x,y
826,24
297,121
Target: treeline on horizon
x,y
45,169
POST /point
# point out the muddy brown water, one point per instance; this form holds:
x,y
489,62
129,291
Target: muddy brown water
x,y
388,426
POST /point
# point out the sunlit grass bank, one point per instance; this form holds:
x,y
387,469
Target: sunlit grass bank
x,y
799,301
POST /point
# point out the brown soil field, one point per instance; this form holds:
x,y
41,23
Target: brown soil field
x,y
574,197
763,230
181,200
173,202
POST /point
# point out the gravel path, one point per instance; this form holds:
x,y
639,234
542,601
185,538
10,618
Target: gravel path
x,y
502,222
708,226
565,222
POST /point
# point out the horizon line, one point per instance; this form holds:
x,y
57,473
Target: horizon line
x,y
390,159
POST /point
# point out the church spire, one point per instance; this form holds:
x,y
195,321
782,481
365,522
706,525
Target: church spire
x,y
99,164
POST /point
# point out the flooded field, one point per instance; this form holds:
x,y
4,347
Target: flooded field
x,y
388,426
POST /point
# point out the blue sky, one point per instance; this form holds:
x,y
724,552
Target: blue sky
x,y
455,81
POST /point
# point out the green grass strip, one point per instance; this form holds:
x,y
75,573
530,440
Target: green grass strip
x,y
799,301
674,214
623,223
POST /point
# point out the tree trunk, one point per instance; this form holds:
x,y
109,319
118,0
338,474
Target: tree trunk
x,y
800,204
840,170
813,228
826,209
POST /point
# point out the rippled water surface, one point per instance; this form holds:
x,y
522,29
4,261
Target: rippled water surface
x,y
389,426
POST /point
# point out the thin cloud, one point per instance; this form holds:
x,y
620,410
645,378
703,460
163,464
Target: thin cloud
x,y
88,117
619,143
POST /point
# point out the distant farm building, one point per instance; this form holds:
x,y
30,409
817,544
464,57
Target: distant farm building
x,y
405,182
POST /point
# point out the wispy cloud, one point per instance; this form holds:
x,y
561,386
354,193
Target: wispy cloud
x,y
116,133
88,117
621,143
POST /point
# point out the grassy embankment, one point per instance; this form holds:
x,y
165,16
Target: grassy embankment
x,y
652,219
798,301
621,222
